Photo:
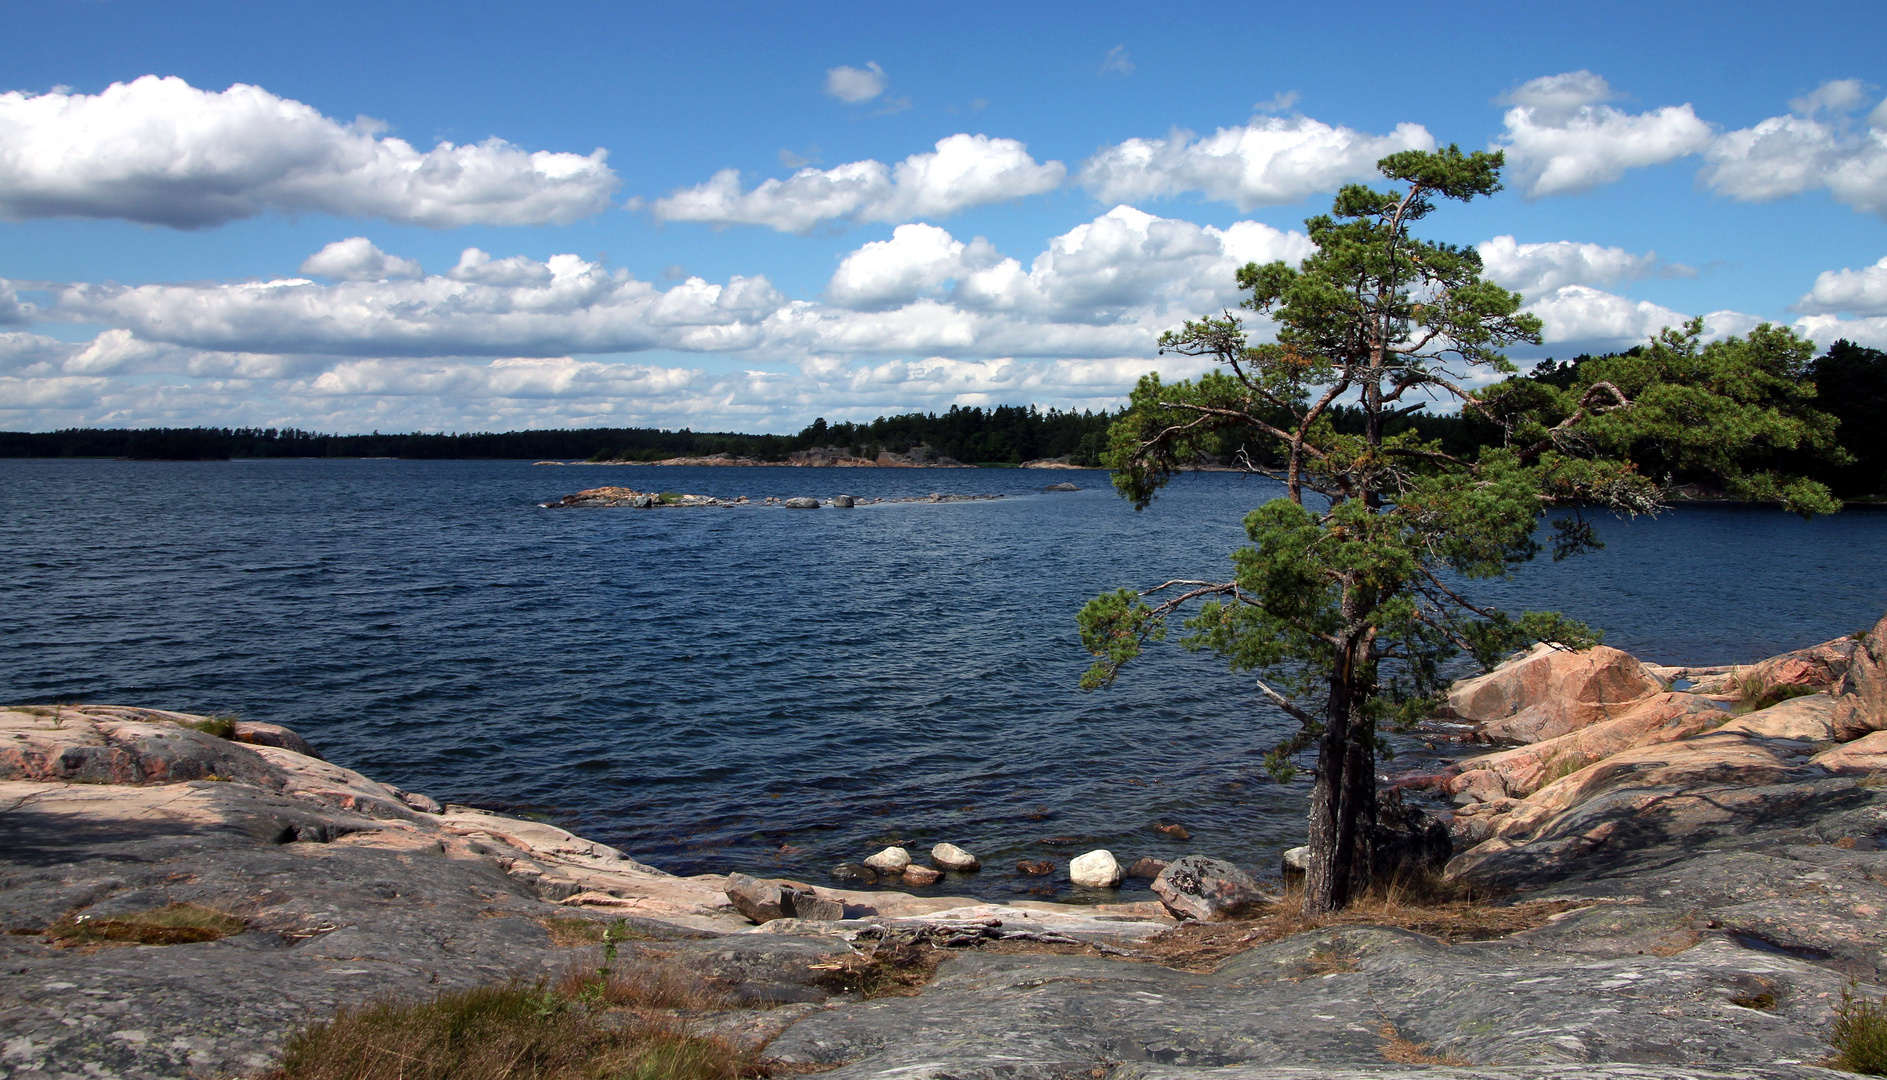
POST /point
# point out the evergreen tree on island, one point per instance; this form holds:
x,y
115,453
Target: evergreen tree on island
x,y
1354,589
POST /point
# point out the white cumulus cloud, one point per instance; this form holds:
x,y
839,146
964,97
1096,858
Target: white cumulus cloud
x,y
917,261
1817,146
162,152
963,171
1863,291
1562,139
853,85
357,259
1533,269
1585,317
1268,161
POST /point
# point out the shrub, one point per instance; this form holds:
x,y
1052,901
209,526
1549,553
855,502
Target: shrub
x,y
175,924
222,725
1860,1036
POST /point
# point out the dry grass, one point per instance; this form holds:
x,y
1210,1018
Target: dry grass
x,y
1439,909
892,969
647,986
501,1033
571,932
1860,1035
1404,1051
175,924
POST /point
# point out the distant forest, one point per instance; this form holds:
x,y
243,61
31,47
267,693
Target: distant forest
x,y
1851,383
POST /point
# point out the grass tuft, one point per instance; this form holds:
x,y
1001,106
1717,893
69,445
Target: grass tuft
x,y
498,1033
890,969
1860,1035
1757,696
1405,1051
222,725
175,924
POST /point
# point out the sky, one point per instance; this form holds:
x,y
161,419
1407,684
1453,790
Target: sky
x,y
738,217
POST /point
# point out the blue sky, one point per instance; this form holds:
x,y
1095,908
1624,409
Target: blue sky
x,y
995,205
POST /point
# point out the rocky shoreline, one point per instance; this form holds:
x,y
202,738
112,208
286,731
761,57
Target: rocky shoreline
x,y
1707,886
831,457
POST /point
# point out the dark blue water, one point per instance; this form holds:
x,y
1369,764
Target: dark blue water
x,y
763,689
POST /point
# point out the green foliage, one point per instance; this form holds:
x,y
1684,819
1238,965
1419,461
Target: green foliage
x,y
1349,598
1860,1035
222,725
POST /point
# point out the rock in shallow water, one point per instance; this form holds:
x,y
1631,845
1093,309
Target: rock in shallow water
x,y
853,874
802,504
1096,870
952,857
919,876
891,860
1146,868
1036,867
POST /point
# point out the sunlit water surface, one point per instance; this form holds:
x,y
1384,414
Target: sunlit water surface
x,y
761,689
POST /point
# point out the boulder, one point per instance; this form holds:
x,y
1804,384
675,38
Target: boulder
x,y
1864,756
843,502
1818,667
1063,487
850,873
642,502
891,860
952,857
812,907
1861,699
1097,869
1294,863
1177,832
801,504
1407,840
1523,770
1550,691
1209,890
1147,868
425,804
1803,719
257,733
1035,867
761,901
764,901
919,876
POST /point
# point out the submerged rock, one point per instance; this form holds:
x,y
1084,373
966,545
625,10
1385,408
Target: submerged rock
x,y
1036,867
1146,868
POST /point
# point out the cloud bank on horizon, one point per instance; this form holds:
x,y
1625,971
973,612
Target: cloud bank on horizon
x,y
922,318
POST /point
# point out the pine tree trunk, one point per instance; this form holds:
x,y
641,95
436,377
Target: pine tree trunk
x,y
1343,797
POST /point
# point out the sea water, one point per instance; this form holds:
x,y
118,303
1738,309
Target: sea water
x,y
771,690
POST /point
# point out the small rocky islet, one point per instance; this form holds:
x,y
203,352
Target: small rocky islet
x,y
1687,867
656,500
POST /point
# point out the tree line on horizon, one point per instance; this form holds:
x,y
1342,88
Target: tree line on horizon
x,y
1851,384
